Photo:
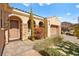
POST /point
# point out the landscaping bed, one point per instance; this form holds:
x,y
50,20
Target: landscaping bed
x,y
54,47
63,49
44,46
51,52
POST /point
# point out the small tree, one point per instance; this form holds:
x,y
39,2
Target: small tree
x,y
76,31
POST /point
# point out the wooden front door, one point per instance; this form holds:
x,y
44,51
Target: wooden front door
x,y
14,30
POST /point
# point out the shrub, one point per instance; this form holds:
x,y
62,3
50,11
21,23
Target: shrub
x,y
39,32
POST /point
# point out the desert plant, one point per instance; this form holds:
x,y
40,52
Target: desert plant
x,y
43,44
46,43
57,40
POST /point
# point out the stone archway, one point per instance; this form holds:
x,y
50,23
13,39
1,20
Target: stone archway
x,y
29,28
15,28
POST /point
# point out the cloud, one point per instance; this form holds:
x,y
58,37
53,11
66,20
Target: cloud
x,y
41,4
77,6
26,4
48,3
60,17
68,13
65,19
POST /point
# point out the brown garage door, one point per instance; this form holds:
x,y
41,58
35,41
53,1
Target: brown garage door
x,y
54,30
1,41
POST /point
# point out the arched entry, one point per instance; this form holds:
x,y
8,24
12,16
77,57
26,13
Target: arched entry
x,y
29,28
15,28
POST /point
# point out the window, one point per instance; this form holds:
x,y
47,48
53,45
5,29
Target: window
x,y
41,24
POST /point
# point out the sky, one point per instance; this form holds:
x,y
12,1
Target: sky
x,y
68,12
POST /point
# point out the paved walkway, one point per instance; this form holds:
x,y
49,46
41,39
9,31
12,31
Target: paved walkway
x,y
20,48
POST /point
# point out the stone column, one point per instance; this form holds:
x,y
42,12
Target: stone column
x,y
24,32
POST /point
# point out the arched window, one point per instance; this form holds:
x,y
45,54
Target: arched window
x,y
41,24
29,24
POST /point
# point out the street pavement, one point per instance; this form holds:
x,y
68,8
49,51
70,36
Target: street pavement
x,y
71,38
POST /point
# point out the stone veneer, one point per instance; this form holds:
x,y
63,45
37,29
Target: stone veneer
x,y
25,32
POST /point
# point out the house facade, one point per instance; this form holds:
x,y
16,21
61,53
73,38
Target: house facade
x,y
20,25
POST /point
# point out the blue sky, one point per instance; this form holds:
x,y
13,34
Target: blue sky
x,y
64,11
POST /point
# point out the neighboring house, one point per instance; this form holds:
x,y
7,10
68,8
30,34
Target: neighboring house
x,y
15,24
